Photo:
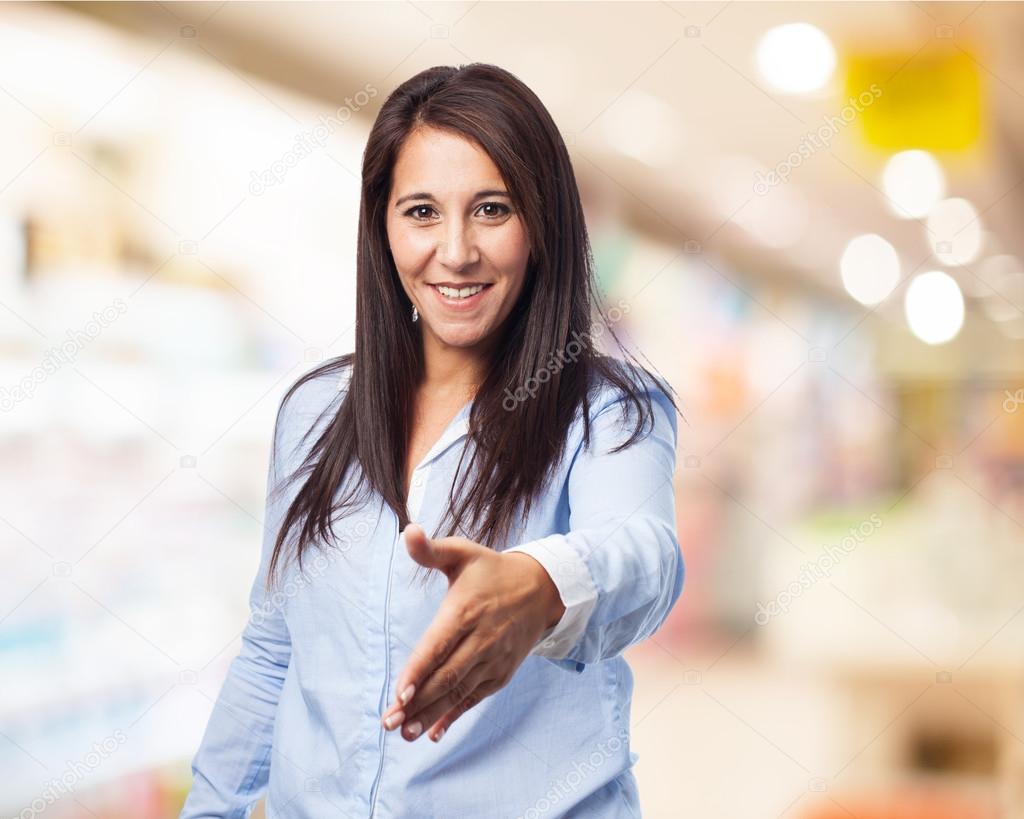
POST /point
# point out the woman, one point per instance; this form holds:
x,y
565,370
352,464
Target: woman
x,y
476,404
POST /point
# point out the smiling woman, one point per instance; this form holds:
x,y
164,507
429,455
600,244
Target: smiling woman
x,y
552,540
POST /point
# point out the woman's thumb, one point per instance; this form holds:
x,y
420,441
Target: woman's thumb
x,y
427,552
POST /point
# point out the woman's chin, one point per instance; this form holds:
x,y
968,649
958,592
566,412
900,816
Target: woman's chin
x,y
453,335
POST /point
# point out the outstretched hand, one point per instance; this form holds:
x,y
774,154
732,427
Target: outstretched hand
x,y
496,608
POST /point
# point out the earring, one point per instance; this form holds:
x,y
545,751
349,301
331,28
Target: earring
x,y
415,313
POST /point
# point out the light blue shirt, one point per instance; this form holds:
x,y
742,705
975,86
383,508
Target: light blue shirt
x,y
299,715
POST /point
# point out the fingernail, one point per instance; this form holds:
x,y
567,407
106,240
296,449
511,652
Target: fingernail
x,y
395,719
406,695
415,728
437,736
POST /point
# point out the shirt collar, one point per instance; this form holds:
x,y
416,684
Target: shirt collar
x,y
457,429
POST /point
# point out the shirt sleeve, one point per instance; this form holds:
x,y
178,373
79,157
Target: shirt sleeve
x,y
232,765
619,569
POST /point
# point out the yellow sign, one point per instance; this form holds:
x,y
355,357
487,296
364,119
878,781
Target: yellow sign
x,y
930,99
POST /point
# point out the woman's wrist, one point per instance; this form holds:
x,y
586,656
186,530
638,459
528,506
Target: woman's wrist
x,y
546,589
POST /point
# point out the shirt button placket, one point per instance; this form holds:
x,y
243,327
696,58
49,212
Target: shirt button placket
x,y
417,492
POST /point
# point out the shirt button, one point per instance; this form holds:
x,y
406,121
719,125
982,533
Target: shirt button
x,y
418,481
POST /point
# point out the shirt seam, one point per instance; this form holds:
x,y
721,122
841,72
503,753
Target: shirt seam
x,y
259,769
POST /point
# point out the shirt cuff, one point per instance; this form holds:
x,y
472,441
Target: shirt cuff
x,y
572,578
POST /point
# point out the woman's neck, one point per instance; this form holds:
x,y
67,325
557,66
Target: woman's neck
x,y
452,369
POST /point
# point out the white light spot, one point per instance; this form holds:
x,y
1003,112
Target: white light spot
x,y
796,58
913,182
934,307
870,268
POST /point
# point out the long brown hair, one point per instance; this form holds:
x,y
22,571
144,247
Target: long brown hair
x,y
516,449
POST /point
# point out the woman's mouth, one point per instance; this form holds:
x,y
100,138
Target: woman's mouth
x,y
460,298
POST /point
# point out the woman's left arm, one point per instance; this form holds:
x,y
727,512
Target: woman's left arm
x,y
619,569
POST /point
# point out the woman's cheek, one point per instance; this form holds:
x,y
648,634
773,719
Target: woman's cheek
x,y
415,252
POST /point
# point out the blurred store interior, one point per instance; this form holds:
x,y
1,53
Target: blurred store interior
x,y
809,216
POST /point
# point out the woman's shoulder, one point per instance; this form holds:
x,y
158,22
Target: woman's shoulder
x,y
319,387
626,404
313,397
616,381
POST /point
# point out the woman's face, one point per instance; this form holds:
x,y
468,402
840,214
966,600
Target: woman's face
x,y
460,248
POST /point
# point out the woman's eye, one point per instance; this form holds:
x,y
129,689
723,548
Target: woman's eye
x,y
414,211
502,209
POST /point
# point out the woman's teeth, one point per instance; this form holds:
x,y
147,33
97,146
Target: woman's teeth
x,y
456,293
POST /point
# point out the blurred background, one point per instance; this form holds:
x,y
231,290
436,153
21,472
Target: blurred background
x,y
806,216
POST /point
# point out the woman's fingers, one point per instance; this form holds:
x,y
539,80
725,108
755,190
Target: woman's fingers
x,y
453,621
445,686
441,638
486,688
466,695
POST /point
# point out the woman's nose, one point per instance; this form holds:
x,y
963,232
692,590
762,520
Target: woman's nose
x,y
458,248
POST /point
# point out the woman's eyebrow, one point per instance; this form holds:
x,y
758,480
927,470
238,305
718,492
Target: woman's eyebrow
x,y
425,195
